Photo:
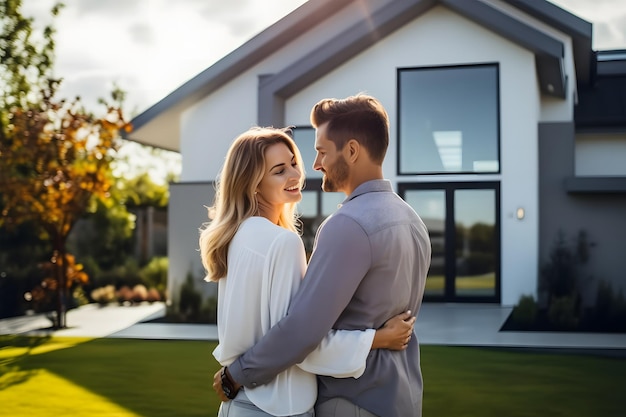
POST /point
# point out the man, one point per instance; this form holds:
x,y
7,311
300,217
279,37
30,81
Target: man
x,y
369,262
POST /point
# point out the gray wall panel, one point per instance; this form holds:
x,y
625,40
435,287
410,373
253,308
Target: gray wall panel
x,y
187,213
601,216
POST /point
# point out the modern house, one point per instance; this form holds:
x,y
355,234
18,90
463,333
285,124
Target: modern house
x,y
506,130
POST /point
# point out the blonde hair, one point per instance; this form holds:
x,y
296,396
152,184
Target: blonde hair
x,y
235,199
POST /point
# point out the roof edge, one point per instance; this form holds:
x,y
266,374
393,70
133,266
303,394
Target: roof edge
x,y
275,88
579,29
250,53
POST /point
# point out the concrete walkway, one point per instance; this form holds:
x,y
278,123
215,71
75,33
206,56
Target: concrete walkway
x,y
437,324
89,320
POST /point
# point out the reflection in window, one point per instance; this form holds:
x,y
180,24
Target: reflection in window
x,y
308,205
476,250
448,120
316,204
305,140
431,207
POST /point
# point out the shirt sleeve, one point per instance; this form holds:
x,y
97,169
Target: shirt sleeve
x,y
284,270
342,354
340,261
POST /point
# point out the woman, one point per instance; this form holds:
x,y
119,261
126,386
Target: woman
x,y
252,249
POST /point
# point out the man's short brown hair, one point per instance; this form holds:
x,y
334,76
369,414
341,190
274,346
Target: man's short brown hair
x,y
360,117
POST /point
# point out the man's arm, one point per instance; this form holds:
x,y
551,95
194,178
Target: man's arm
x,y
343,353
340,261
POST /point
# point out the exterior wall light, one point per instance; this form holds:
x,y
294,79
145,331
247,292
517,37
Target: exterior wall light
x,y
520,213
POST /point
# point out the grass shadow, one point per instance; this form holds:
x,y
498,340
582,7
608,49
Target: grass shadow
x,y
147,377
14,350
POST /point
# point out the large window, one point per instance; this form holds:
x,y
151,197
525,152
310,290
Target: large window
x,y
448,120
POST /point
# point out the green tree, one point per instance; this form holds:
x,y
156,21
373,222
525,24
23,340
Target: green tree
x,y
55,157
106,236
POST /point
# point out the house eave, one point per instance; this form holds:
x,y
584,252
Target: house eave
x,y
226,69
160,124
581,32
275,89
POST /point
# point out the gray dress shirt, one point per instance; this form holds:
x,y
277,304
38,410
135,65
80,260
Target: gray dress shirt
x,y
369,263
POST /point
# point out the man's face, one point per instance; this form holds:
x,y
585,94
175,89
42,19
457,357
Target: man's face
x,y
330,162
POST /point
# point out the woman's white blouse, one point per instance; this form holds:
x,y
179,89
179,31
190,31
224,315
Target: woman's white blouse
x,y
266,264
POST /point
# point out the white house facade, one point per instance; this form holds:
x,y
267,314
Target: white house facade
x,y
483,98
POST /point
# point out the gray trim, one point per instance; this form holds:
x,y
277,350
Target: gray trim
x,y
271,108
595,185
600,129
580,30
609,68
275,89
508,27
549,52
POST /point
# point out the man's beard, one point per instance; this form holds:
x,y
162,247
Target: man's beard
x,y
336,176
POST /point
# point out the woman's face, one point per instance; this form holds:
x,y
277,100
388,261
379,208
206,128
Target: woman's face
x,y
281,180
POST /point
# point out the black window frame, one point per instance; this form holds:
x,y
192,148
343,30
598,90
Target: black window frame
x,y
449,294
399,172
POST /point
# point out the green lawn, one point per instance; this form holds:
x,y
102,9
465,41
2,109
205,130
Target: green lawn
x,y
123,378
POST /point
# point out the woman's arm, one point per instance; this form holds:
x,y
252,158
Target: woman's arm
x,y
395,333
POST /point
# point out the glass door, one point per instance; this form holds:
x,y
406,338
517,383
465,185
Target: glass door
x,y
463,223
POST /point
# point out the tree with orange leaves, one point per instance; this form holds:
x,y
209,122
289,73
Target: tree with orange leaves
x,y
55,158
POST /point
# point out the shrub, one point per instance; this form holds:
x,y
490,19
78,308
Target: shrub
x,y
154,274
103,295
153,295
209,311
563,312
190,300
609,313
124,295
524,314
139,294
79,298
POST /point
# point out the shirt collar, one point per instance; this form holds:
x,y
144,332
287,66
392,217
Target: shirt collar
x,y
369,187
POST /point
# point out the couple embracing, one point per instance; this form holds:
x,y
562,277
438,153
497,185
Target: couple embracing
x,y
334,337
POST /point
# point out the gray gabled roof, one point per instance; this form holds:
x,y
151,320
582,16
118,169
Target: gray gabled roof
x,y
159,125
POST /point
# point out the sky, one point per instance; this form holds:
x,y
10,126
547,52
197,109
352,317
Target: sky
x,y
151,47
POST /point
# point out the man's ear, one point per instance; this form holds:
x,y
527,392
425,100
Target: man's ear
x,y
353,149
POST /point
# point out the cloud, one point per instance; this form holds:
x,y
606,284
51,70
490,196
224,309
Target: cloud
x,y
610,34
109,8
142,33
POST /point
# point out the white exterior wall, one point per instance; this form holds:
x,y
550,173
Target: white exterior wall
x,y
459,41
439,37
207,130
209,127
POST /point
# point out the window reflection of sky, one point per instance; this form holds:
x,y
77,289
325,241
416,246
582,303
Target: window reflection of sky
x,y
471,207
475,206
305,140
439,101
